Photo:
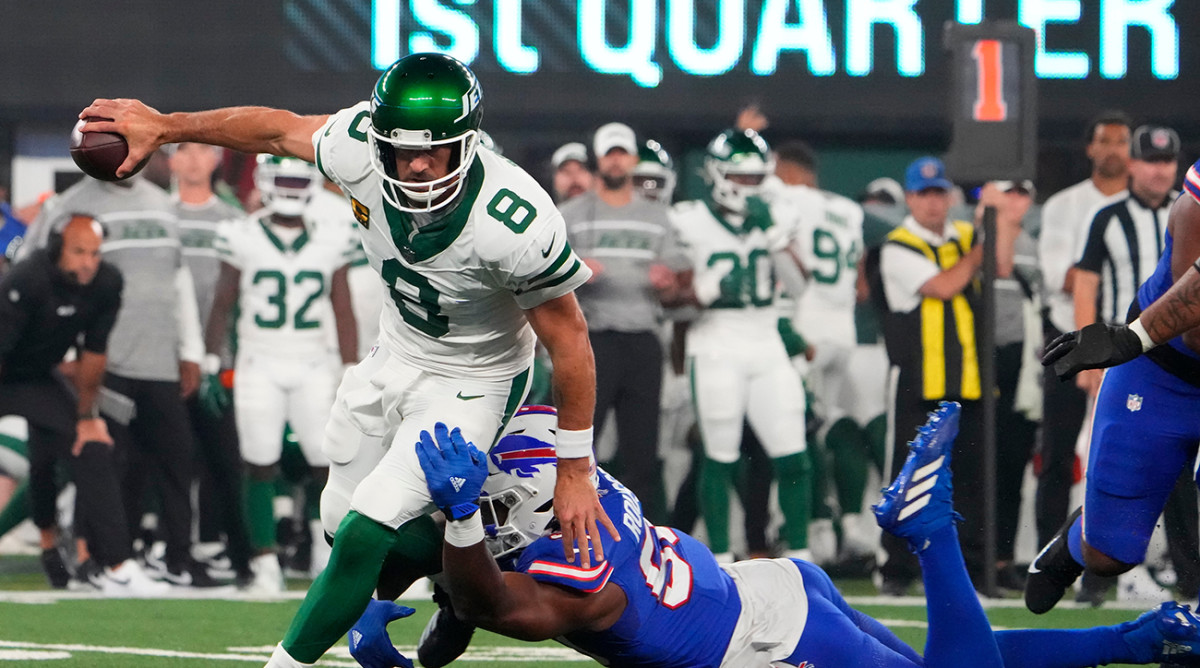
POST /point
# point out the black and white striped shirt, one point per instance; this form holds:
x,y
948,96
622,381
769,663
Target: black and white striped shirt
x,y
1123,243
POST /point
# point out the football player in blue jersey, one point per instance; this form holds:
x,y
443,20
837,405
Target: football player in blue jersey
x,y
1146,428
660,599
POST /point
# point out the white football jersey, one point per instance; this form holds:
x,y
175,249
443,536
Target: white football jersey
x,y
829,241
458,284
283,297
718,251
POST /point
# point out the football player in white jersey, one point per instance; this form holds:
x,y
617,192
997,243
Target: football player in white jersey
x,y
475,259
286,271
829,242
738,366
367,293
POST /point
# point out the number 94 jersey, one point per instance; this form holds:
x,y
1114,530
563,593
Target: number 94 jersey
x,y
682,608
829,233
283,296
458,282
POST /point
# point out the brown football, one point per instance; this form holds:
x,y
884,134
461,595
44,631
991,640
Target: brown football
x,y
99,154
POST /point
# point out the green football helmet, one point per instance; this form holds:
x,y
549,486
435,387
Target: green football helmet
x,y
654,176
736,164
286,185
424,100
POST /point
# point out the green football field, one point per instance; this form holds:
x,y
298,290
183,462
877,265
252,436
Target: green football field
x,y
50,629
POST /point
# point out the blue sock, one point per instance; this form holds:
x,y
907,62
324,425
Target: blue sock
x,y
1075,540
959,631
1063,648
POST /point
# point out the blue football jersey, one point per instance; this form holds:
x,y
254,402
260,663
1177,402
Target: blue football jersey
x,y
682,608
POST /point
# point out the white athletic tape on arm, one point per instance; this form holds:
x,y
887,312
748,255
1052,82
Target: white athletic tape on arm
x,y
571,444
465,533
1138,328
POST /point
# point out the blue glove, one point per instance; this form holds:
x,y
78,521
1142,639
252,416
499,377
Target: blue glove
x,y
370,644
454,470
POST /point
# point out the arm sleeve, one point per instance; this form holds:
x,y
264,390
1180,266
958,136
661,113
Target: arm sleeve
x,y
191,341
95,337
1094,252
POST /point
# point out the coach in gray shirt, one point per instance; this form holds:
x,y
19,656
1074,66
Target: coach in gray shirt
x,y
620,236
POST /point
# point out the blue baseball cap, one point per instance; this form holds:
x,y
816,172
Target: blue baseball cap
x,y
927,172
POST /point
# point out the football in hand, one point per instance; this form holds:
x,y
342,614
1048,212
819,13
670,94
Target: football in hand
x,y
99,154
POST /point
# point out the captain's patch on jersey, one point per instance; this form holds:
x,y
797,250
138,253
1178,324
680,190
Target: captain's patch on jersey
x,y
361,213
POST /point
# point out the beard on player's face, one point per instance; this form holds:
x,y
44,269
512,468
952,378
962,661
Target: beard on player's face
x,y
614,180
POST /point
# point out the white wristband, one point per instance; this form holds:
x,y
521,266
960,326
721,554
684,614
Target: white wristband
x,y
211,364
573,444
465,533
1138,328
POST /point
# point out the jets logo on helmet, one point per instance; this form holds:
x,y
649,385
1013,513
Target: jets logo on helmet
x,y
286,185
736,165
654,176
423,101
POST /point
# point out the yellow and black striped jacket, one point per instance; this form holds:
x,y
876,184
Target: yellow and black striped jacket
x,y
934,344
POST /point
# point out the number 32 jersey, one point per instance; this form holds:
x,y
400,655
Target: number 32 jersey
x,y
681,608
283,295
458,282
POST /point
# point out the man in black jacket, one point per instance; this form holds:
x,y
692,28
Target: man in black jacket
x,y
61,297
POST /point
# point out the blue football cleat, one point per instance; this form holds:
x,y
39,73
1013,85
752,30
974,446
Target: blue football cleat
x,y
1169,634
919,501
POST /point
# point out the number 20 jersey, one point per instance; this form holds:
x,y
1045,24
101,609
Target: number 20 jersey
x,y
458,283
682,608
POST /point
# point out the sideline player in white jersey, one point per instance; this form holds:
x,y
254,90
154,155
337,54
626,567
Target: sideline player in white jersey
x,y
829,243
738,366
367,293
286,271
476,261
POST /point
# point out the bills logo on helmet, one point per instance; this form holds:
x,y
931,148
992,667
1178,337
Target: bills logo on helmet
x,y
521,455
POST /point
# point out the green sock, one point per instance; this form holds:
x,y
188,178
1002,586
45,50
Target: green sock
x,y
876,432
260,513
818,458
16,510
339,595
794,475
716,481
848,445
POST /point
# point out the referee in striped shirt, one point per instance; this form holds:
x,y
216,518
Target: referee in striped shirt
x,y
1125,237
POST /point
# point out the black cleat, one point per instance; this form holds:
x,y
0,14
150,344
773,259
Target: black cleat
x,y
445,638
1052,572
191,574
56,568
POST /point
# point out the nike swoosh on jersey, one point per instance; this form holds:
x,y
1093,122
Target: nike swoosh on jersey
x,y
469,396
546,253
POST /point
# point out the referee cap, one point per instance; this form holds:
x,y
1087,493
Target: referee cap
x,y
1154,142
